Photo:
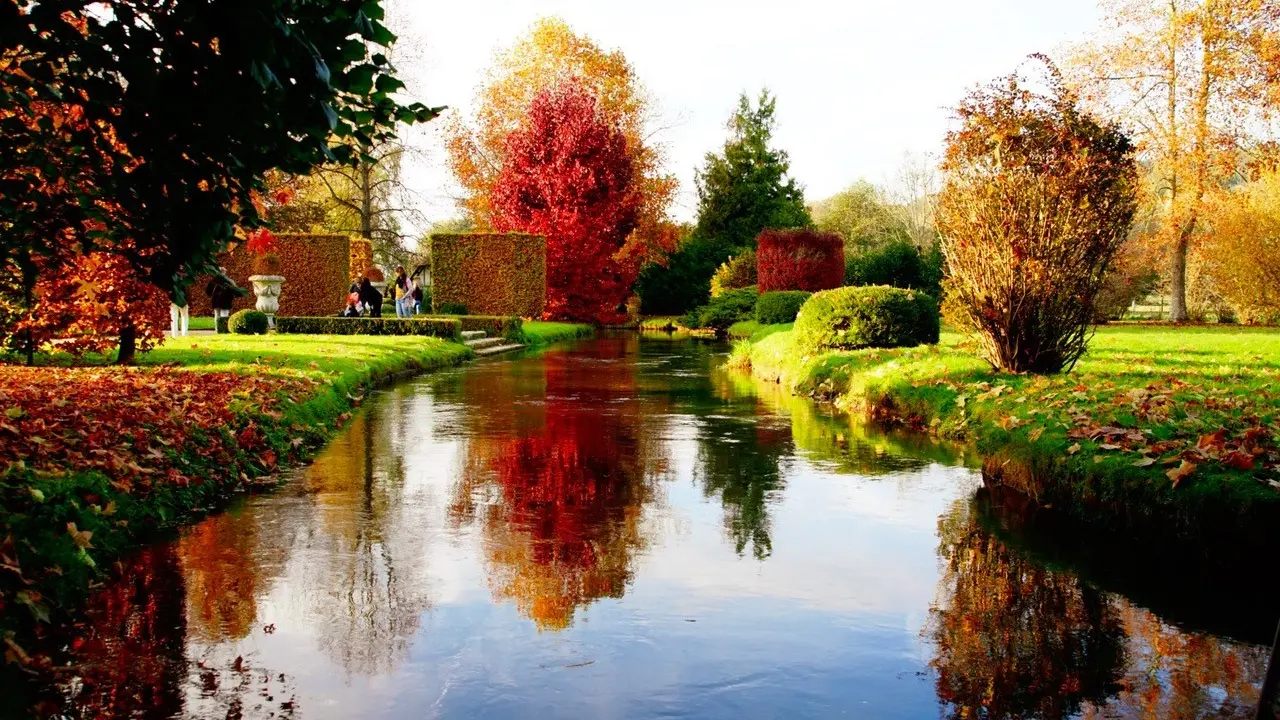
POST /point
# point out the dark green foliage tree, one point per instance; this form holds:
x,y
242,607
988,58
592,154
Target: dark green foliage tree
x,y
186,106
742,190
899,264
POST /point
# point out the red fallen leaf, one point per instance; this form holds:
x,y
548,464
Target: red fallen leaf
x,y
1177,474
269,458
1238,460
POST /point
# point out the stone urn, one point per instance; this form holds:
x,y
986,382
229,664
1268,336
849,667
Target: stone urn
x,y
267,289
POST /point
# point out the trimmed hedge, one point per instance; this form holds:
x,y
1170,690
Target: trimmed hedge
x,y
447,328
850,318
504,326
316,269
780,306
490,274
360,258
800,260
248,322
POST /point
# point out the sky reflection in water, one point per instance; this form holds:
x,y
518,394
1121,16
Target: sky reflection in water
x,y
622,529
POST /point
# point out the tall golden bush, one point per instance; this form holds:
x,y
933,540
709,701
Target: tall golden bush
x,y
1242,248
1038,199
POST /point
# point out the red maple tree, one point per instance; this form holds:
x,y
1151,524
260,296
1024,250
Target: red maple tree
x,y
568,175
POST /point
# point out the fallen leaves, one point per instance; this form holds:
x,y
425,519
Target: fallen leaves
x,y
1178,474
138,427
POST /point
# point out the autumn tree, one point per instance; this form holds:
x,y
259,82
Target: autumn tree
x,y
243,88
568,175
1038,199
550,54
742,190
860,215
1196,83
1243,245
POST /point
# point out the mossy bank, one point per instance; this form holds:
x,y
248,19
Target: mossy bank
x,y
1164,430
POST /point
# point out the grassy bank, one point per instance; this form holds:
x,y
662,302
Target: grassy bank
x,y
538,333
94,460
1168,427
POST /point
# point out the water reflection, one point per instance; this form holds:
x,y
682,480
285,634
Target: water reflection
x,y
1019,639
624,529
565,523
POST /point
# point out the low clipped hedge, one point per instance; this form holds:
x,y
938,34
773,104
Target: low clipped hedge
x,y
780,306
447,328
503,326
880,316
248,322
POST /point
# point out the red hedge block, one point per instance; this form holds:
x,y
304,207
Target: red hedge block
x,y
800,260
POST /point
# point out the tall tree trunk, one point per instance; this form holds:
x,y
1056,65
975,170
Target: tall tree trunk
x,y
128,354
1178,273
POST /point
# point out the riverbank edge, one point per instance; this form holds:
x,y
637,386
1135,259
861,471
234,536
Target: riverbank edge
x,y
121,521
540,334
1222,509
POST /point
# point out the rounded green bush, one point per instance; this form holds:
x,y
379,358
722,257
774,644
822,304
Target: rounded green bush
x,y
879,316
780,306
248,322
723,311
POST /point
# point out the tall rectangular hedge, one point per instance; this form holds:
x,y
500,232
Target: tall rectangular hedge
x,y
799,260
490,274
316,270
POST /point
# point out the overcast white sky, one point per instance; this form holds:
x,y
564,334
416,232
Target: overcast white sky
x,y
859,83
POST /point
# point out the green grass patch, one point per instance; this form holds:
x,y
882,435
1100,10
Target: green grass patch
x,y
1109,437
754,331
538,333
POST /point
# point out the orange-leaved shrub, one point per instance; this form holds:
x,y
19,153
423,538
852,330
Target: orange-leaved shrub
x,y
490,274
735,273
1038,199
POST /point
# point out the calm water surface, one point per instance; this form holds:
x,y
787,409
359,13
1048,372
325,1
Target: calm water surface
x,y
620,528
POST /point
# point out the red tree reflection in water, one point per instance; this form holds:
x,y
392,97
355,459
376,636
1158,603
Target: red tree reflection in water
x,y
566,522
131,648
1016,639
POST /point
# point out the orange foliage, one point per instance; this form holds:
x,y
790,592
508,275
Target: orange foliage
x,y
550,53
87,303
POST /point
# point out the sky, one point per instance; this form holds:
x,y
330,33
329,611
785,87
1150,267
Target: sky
x,y
859,83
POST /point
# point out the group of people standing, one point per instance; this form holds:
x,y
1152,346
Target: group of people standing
x,y
365,299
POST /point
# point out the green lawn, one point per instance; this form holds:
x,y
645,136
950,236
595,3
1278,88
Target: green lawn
x,y
538,333
1114,432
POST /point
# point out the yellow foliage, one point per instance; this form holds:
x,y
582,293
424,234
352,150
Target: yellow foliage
x,y
1243,248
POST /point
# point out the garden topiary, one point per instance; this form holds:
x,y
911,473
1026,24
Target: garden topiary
x,y
248,322
780,306
849,318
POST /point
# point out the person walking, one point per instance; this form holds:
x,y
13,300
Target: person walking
x,y
417,298
400,291
222,293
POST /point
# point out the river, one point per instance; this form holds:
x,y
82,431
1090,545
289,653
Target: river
x,y
619,527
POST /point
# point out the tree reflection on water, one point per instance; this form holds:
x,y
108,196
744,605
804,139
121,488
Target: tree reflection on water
x,y
1018,639
565,525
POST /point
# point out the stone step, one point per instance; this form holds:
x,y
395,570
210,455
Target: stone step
x,y
482,343
499,349
473,334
